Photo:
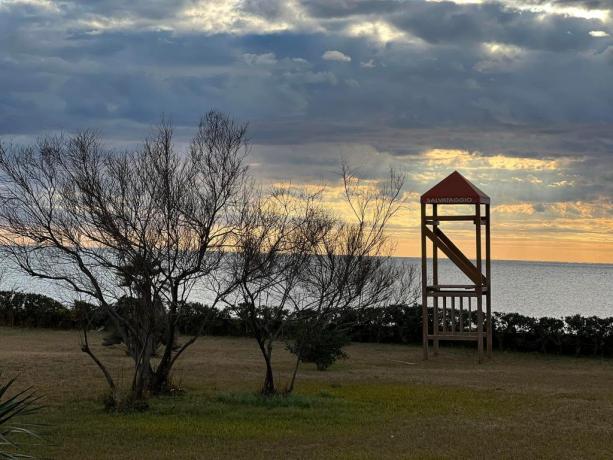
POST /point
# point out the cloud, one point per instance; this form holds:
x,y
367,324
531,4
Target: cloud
x,y
260,59
515,208
378,31
514,93
475,160
334,55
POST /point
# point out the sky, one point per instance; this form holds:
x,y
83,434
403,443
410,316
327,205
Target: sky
x,y
517,95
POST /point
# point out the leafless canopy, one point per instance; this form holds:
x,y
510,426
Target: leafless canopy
x,y
297,263
143,227
145,224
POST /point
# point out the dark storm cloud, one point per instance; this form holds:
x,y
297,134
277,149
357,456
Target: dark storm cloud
x,y
142,9
588,4
344,8
446,22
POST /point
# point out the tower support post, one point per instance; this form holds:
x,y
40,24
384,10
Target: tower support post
x,y
488,277
435,320
424,282
479,288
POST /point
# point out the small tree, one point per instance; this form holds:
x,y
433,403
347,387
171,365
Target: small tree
x,y
298,268
146,224
350,267
323,346
272,247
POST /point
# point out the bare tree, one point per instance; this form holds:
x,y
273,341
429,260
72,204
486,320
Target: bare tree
x,y
201,201
271,249
297,267
145,225
351,266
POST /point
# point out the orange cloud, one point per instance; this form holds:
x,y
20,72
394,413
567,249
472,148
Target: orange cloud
x,y
517,208
475,160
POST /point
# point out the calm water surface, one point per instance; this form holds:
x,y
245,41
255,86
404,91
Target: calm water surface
x,y
544,288
530,288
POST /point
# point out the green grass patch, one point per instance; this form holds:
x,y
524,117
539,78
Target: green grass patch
x,y
280,400
244,417
511,407
429,400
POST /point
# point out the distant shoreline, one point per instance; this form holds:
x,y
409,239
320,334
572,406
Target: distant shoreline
x,y
540,262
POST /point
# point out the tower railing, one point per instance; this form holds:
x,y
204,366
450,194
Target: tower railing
x,y
455,313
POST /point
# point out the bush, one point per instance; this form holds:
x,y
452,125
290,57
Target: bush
x,y
573,335
194,315
589,335
34,310
323,346
392,324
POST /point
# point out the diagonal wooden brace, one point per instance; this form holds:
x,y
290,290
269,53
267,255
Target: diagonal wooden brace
x,y
455,255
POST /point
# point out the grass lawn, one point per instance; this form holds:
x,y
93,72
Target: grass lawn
x,y
383,402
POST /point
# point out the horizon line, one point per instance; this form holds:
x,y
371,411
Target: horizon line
x,y
519,260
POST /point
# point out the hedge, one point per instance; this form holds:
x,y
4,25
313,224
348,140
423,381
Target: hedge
x,y
19,309
571,335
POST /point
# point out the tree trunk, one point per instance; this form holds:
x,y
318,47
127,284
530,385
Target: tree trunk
x,y
290,387
143,372
161,378
269,384
299,351
268,389
160,381
142,382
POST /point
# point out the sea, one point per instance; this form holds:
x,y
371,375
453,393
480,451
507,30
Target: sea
x,y
530,288
542,288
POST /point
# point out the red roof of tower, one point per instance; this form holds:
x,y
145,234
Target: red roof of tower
x,y
455,189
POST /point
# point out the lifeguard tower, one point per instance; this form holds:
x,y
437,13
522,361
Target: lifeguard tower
x,y
457,312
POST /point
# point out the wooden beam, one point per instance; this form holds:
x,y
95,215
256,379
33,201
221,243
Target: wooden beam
x,y
454,286
453,315
488,297
424,282
435,321
454,337
470,315
479,296
479,278
444,314
445,294
453,290
454,254
429,219
462,314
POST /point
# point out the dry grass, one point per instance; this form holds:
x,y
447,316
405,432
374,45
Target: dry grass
x,y
383,402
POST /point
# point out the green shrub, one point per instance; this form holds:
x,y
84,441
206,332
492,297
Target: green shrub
x,y
199,318
322,346
572,335
33,310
